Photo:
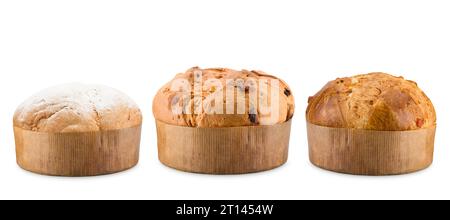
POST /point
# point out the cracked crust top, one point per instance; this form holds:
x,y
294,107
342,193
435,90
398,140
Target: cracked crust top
x,y
375,101
166,98
77,108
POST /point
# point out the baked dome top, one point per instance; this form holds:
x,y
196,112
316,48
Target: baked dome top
x,y
252,115
375,101
77,108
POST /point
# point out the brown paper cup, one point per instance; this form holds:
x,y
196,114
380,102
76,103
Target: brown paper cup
x,y
365,152
78,154
236,150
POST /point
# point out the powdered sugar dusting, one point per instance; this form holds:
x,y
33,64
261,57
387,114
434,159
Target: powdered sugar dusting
x,y
82,102
103,98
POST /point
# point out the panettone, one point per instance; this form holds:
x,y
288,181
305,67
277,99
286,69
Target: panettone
x,y
373,124
77,130
198,139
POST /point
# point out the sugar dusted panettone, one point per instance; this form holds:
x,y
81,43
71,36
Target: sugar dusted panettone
x,y
77,130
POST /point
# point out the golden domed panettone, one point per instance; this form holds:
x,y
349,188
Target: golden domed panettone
x,y
373,124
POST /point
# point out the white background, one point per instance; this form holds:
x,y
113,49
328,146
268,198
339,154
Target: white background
x,y
137,46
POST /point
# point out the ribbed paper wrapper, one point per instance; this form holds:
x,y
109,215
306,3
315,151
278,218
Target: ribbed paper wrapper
x,y
78,154
374,153
234,150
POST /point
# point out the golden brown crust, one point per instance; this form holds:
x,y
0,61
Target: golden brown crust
x,y
165,98
77,108
375,101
